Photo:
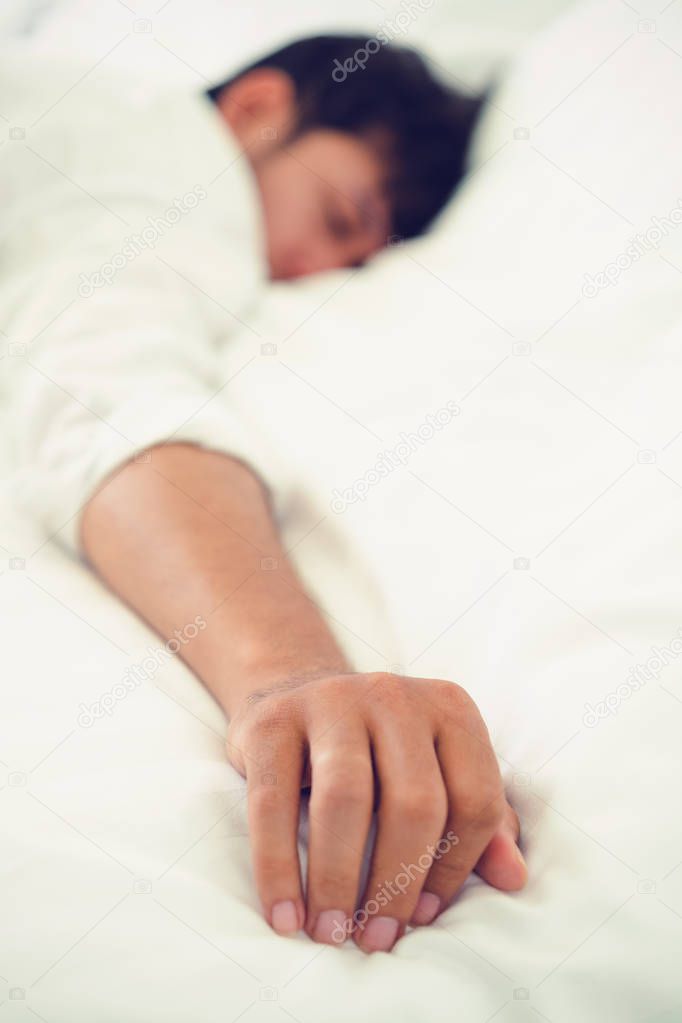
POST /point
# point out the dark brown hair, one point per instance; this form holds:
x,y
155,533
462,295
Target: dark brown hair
x,y
381,91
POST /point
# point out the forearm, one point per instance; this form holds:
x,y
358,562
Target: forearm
x,y
191,533
185,535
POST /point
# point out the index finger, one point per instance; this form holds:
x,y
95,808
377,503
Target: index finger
x,y
274,798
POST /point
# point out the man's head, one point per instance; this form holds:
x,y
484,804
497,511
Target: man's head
x,y
346,155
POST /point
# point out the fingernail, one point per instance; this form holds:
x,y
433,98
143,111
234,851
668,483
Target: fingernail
x,y
426,909
380,933
519,857
331,927
284,917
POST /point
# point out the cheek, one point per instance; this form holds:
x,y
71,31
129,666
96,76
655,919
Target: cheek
x,y
291,215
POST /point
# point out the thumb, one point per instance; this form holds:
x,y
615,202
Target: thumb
x,y
502,864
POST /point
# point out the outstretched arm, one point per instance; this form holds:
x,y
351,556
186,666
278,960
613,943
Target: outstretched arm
x,y
191,532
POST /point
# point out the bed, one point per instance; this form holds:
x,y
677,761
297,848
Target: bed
x,y
528,546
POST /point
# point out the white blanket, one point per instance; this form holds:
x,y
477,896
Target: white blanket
x,y
528,547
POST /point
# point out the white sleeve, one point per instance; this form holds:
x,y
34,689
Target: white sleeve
x,y
104,375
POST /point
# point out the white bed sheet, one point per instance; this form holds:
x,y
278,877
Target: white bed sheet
x,y
546,570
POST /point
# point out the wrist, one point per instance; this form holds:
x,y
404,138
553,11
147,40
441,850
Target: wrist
x,y
262,678
268,630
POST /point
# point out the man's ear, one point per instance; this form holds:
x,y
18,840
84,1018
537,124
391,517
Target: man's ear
x,y
260,108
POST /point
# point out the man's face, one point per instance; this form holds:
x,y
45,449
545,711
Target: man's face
x,y
323,203
322,192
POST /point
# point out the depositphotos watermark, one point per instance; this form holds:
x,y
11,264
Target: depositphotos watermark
x,y
388,461
640,245
134,244
138,673
646,671
402,881
388,30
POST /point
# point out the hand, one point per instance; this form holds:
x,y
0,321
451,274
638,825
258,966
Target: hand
x,y
415,749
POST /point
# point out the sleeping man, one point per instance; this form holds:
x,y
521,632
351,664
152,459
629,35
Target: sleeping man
x,y
144,234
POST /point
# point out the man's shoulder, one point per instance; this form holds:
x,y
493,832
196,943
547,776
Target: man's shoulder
x,y
80,98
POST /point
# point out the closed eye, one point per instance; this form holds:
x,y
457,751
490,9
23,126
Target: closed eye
x,y
339,224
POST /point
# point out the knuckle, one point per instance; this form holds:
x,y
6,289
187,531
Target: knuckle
x,y
419,806
272,862
329,881
261,721
453,695
333,686
391,692
455,699
267,724
343,789
448,871
384,682
382,678
446,688
265,800
482,807
458,705
272,870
